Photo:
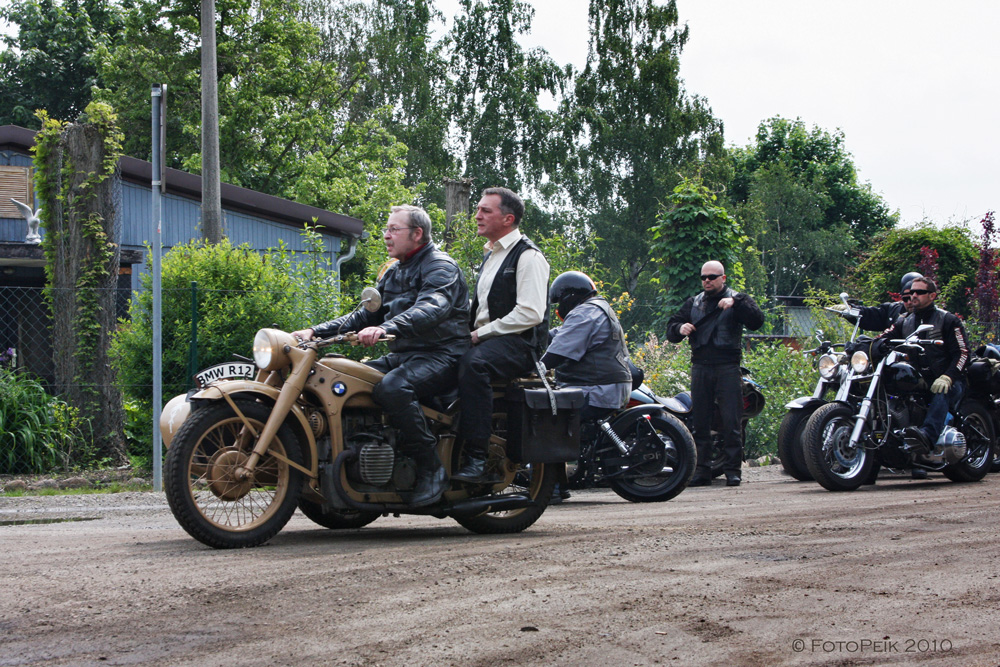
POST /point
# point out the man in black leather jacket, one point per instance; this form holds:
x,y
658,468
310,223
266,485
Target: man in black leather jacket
x,y
881,317
948,362
713,322
425,305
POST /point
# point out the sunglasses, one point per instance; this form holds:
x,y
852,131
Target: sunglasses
x,y
918,292
712,276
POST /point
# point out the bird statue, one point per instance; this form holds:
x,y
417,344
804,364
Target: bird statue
x,y
33,221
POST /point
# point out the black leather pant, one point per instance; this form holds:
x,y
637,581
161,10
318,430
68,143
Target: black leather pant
x,y
409,378
499,359
722,384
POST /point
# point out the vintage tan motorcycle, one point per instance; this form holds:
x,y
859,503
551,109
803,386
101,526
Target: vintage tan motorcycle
x,y
243,454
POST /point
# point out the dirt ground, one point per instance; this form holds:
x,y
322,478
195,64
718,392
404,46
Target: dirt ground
x,y
773,572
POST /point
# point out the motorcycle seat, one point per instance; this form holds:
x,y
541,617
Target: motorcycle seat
x,y
680,403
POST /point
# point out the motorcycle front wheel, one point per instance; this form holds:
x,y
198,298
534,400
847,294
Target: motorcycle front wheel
x,y
207,497
829,457
790,449
978,431
664,460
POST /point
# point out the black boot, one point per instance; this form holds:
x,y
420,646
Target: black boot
x,y
432,480
473,470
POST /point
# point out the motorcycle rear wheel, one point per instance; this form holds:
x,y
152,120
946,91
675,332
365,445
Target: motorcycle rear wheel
x,y
208,500
665,476
336,519
537,480
829,458
978,431
790,447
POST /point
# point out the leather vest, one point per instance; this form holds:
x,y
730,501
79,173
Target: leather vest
x,y
937,356
607,363
503,296
724,332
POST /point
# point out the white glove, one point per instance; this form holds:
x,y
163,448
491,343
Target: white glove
x,y
942,385
840,307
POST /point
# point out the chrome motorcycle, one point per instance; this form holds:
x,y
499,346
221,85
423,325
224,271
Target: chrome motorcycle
x,y
845,440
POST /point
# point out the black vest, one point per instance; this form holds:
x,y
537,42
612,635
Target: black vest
x,y
937,356
503,296
725,332
605,364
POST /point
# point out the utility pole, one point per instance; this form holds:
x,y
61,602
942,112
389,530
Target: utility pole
x,y
211,197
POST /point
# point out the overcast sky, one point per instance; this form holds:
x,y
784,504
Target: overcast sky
x,y
913,84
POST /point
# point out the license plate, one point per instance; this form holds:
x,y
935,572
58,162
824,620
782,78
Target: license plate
x,y
227,371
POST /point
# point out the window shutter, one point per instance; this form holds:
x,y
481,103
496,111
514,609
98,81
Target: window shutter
x,y
16,183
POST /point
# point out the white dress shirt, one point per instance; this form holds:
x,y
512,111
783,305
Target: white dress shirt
x,y
532,289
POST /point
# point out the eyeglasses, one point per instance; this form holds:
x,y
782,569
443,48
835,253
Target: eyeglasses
x,y
711,276
392,231
905,297
919,292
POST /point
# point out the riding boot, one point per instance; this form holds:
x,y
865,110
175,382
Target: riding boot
x,y
432,480
473,470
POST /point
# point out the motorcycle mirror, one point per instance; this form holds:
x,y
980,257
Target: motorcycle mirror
x,y
922,328
843,298
371,299
819,335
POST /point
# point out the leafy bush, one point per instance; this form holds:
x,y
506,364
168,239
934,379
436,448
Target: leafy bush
x,y
37,431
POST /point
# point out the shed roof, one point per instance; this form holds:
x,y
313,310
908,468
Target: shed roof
x,y
234,198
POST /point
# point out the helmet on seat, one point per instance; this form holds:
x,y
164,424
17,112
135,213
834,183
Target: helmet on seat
x,y
569,290
904,283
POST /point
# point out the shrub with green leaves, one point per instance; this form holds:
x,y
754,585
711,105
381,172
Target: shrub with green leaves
x,y
37,430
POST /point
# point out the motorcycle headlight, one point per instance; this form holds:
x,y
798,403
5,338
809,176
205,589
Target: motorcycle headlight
x,y
269,349
829,366
860,362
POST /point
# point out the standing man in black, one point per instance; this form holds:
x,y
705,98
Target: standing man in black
x,y
713,322
425,305
509,322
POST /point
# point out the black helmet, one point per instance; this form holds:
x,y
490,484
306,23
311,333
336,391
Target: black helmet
x,y
904,283
569,290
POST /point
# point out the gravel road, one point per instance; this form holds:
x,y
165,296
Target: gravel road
x,y
774,572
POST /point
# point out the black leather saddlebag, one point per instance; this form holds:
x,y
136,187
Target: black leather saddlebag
x,y
534,434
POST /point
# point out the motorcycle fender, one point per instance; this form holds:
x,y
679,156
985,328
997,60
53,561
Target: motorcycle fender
x,y
179,407
805,403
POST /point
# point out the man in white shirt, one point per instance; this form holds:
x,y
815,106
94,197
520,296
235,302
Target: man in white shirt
x,y
509,322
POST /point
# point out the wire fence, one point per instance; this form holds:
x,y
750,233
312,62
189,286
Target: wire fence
x,y
39,432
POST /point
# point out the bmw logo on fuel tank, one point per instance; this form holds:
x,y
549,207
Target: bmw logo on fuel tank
x,y
339,388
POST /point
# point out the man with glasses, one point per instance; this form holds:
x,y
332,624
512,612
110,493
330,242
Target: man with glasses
x,y
509,322
425,305
713,322
947,362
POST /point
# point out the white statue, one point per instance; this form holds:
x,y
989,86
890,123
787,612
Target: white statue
x,y
33,221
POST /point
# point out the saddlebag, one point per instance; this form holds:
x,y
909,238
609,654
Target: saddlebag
x,y
534,434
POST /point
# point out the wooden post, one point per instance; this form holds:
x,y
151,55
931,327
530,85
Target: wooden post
x,y
456,202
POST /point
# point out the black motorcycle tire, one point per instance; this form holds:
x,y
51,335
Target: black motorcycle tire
x,y
657,487
336,519
826,434
978,432
790,448
537,480
198,477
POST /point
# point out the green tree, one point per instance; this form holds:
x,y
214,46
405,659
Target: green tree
x,y
690,230
797,194
49,63
897,252
637,127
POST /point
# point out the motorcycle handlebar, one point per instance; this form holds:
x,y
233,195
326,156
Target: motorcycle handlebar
x,y
349,338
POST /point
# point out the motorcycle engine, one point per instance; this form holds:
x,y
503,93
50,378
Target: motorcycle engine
x,y
376,459
950,446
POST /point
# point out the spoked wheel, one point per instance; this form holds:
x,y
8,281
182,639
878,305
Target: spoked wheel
x,y
661,461
336,519
207,494
535,480
978,431
790,450
829,457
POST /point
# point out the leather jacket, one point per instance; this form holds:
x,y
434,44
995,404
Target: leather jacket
x,y
719,341
425,304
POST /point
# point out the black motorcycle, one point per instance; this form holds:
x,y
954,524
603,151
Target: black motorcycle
x,y
846,438
984,386
644,453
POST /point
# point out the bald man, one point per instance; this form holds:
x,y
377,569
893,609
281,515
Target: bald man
x,y
713,322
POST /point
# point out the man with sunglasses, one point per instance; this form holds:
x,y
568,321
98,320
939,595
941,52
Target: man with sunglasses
x,y
947,362
881,317
713,322
425,305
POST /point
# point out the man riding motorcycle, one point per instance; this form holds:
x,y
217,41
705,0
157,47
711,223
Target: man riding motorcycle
x,y
425,305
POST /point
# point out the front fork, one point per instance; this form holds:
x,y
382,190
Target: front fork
x,y
866,406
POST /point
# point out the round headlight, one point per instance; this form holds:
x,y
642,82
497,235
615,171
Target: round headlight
x,y
268,349
859,362
828,367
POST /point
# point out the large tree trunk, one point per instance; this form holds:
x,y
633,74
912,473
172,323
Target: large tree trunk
x,y
84,261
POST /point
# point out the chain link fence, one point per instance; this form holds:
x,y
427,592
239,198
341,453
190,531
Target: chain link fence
x,y
40,433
